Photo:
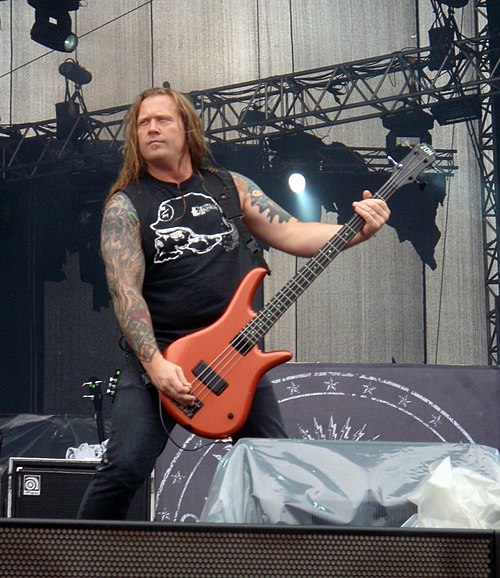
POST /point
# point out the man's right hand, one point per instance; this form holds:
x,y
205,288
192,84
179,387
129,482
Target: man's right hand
x,y
169,379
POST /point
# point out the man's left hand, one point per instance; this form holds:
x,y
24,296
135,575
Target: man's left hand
x,y
375,213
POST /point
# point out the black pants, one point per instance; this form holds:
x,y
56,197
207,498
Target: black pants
x,y
138,436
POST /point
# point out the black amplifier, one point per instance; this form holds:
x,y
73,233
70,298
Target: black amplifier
x,y
54,488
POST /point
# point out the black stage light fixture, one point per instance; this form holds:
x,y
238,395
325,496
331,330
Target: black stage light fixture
x,y
441,48
70,124
52,27
68,120
407,127
408,121
454,3
71,70
453,110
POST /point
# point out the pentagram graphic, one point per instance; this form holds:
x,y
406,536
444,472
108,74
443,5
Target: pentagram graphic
x,y
347,405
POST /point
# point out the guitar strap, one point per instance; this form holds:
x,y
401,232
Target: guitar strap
x,y
225,192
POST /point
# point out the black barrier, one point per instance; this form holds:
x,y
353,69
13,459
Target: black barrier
x,y
35,549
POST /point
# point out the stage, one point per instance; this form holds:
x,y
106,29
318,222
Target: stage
x,y
438,406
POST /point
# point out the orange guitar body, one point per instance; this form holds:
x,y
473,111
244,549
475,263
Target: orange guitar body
x,y
223,413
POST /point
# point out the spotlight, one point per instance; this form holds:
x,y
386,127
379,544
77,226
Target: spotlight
x,y
407,127
454,3
68,120
453,110
52,27
408,122
71,70
297,183
441,53
252,116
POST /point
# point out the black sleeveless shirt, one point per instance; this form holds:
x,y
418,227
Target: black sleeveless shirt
x,y
194,257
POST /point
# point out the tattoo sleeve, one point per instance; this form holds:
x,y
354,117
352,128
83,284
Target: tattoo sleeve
x,y
262,201
125,265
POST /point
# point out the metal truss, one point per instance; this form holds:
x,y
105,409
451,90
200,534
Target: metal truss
x,y
252,111
490,229
350,92
34,150
484,143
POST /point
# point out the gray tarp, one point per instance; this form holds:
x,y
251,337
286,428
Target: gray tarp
x,y
337,483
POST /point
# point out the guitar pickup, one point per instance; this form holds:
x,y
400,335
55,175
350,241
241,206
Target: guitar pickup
x,y
209,377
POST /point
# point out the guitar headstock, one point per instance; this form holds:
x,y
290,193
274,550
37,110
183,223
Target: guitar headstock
x,y
417,160
94,386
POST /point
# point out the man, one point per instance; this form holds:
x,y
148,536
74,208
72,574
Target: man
x,y
173,261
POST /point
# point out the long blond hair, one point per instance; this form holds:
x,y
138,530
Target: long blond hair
x,y
133,164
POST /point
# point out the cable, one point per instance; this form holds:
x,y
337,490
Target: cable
x,y
152,44
258,39
11,86
169,434
31,274
291,36
441,285
124,347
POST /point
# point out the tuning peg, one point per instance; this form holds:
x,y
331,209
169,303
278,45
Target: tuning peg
x,y
113,382
394,163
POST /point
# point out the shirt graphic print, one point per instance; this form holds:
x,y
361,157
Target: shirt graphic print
x,y
203,228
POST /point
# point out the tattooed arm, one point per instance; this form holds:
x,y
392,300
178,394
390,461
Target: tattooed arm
x,y
275,227
124,262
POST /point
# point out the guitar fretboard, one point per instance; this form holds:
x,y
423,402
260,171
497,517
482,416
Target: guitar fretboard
x,y
257,328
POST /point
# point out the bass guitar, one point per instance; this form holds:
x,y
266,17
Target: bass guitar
x,y
223,362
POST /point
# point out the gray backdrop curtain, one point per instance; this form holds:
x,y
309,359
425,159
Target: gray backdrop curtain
x,y
377,302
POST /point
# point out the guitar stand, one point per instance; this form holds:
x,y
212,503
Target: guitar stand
x,y
96,395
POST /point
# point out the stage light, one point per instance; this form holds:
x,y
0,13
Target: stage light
x,y
52,27
408,122
453,110
454,3
441,55
407,128
68,120
57,36
297,183
71,70
254,119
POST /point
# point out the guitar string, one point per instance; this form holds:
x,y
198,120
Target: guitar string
x,y
230,356
216,365
315,265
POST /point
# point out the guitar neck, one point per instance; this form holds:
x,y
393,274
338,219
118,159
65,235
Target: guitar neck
x,y
404,173
258,327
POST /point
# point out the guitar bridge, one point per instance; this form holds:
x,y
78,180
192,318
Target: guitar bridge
x,y
190,410
209,377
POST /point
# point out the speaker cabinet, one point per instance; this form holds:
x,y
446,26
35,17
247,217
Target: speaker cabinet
x,y
54,488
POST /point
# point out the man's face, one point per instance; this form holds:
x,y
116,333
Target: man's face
x,y
161,132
